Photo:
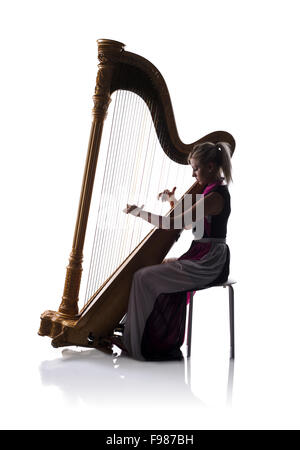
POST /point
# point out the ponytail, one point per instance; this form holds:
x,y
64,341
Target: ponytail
x,y
225,165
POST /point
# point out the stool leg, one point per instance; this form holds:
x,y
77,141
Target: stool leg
x,y
190,323
231,321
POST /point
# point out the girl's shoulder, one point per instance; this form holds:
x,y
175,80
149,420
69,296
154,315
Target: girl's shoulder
x,y
222,189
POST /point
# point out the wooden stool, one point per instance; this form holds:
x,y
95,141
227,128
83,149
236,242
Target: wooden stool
x,y
228,284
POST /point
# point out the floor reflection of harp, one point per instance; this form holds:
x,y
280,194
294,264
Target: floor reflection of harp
x,y
119,71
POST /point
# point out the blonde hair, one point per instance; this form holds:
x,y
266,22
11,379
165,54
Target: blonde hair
x,y
218,153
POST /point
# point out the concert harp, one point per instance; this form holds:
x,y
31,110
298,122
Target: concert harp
x,y
125,74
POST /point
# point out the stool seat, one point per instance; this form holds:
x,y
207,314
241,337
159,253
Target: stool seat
x,y
227,284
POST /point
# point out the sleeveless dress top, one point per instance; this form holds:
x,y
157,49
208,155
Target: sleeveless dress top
x,y
215,227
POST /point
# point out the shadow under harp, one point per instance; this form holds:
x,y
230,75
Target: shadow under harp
x,y
141,155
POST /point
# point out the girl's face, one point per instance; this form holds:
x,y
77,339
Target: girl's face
x,y
200,172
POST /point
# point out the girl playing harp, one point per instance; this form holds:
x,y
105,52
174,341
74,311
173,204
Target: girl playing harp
x,y
154,325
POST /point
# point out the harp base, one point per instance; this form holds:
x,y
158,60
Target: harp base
x,y
67,331
56,325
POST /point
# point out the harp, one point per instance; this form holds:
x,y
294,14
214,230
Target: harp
x,y
126,72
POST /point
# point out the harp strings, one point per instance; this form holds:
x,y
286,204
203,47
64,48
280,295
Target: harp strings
x,y
135,171
128,176
122,182
141,187
97,247
103,230
116,181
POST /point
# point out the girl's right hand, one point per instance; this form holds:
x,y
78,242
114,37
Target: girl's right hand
x,y
167,196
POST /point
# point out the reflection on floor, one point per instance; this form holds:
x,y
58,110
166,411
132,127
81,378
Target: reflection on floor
x,y
97,378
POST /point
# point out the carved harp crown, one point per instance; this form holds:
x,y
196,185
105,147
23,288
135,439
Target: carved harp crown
x,y
125,72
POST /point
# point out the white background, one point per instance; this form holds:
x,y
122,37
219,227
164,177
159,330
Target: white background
x,y
230,65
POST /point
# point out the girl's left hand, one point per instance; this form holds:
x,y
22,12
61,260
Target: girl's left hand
x,y
130,208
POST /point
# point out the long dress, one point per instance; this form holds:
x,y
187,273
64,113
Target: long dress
x,y
155,320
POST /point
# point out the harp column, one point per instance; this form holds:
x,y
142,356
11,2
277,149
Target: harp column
x,y
109,53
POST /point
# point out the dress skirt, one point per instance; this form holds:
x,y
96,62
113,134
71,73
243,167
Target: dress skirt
x,y
155,320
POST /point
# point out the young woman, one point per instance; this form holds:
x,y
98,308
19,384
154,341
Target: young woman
x,y
155,321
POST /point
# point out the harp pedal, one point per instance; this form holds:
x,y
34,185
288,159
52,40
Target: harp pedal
x,y
91,339
119,328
